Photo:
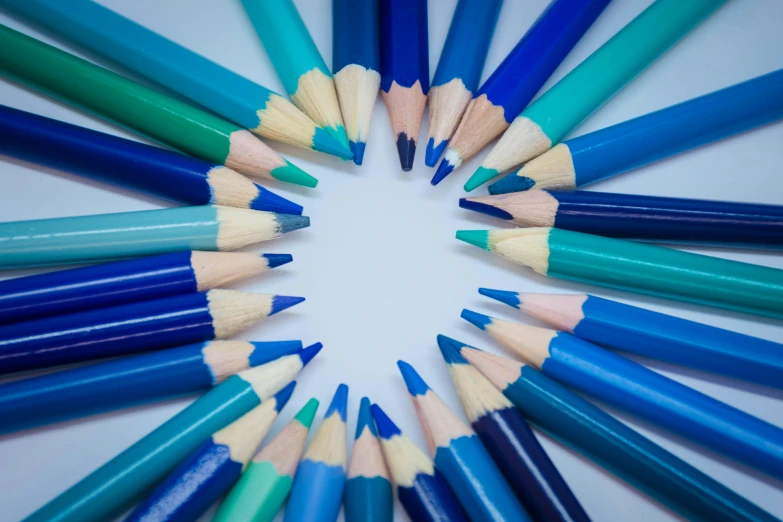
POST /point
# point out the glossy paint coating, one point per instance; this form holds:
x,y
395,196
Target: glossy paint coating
x,y
637,460
355,34
668,404
317,493
404,44
368,499
666,272
264,491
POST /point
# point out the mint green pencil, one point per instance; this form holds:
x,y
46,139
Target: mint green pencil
x,y
637,267
297,61
547,120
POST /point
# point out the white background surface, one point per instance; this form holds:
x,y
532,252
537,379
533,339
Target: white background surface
x,y
380,267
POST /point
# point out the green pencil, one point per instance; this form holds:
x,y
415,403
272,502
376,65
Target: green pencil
x,y
267,481
140,109
556,113
638,267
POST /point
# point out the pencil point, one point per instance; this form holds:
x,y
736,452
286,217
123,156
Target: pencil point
x,y
444,169
406,148
307,413
434,152
481,176
414,383
271,202
275,260
358,151
281,302
309,353
483,208
267,352
479,238
324,142
504,296
386,428
511,183
365,418
339,403
283,395
290,173
291,222
478,320
450,349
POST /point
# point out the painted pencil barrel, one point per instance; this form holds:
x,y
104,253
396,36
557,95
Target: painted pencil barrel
x,y
355,30
368,499
319,494
262,491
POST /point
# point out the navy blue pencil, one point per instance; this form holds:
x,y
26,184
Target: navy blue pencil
x,y
110,159
405,71
133,328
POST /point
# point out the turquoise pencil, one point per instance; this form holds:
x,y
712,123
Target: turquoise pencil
x,y
368,491
319,483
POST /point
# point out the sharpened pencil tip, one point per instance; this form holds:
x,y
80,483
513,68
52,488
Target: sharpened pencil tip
x,y
307,413
481,176
324,142
478,320
267,352
450,349
338,132
511,183
483,208
290,173
309,353
281,398
358,151
504,296
444,169
270,202
413,381
339,403
406,148
386,428
365,418
290,222
434,152
479,238
281,302
275,260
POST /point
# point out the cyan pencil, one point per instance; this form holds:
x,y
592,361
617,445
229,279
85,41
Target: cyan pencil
x,y
135,327
643,393
130,381
112,487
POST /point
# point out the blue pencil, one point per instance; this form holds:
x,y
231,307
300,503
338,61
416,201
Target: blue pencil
x,y
639,218
508,438
421,488
405,71
654,136
137,327
518,78
319,483
131,164
247,104
356,66
459,455
459,70
631,387
131,381
651,334
210,471
622,451
120,282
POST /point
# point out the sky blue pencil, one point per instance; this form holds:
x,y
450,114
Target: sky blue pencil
x,y
659,336
317,493
644,393
234,97
459,70
652,137
459,455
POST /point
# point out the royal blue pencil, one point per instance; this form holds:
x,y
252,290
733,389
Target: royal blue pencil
x,y
518,78
640,218
120,282
421,488
210,471
130,381
137,327
651,334
459,70
654,136
458,453
319,483
405,71
356,66
510,441
644,393
110,159
622,451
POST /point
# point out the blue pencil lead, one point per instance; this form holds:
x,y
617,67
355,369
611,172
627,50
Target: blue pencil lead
x,y
476,319
267,352
434,152
483,208
281,302
450,349
386,428
504,296
511,183
271,202
365,418
358,151
275,260
414,383
291,222
444,169
309,353
281,398
339,403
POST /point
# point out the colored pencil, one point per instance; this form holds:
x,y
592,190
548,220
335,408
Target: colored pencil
x,y
112,487
131,164
130,381
458,453
640,268
594,81
237,99
652,137
317,492
459,70
356,62
510,441
131,281
421,488
640,218
608,442
368,491
135,327
651,334
298,63
208,473
644,393
133,234
518,78
265,484
405,71
140,109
